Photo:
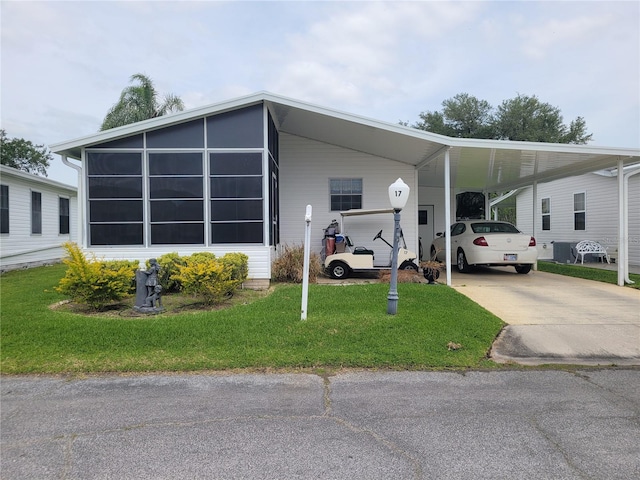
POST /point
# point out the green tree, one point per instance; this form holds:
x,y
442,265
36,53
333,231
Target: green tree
x,y
528,119
24,155
523,118
139,102
462,116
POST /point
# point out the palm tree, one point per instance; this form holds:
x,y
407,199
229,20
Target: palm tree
x,y
140,102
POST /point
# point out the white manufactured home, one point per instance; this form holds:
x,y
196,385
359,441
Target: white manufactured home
x,y
583,207
238,175
38,215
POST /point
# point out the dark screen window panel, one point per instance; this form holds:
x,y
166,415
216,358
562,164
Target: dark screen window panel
x,y
242,128
115,187
245,232
229,210
546,222
242,163
114,163
175,187
176,210
63,216
579,221
36,212
182,163
115,211
236,187
184,135
116,234
177,234
4,208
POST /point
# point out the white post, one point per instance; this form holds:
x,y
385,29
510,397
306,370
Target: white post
x,y
622,246
447,213
307,254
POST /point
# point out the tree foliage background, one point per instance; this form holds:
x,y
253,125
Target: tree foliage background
x,y
140,101
523,118
24,155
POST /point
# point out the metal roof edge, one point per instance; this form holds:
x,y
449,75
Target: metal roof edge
x,y
6,170
265,96
544,147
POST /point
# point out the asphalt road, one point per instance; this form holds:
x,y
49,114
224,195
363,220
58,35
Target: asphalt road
x,y
354,425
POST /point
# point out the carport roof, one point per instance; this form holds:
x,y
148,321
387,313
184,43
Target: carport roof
x,y
490,165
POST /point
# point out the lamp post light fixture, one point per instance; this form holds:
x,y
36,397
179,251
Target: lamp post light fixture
x,y
398,196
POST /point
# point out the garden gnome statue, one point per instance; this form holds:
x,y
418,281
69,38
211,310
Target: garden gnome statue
x,y
148,290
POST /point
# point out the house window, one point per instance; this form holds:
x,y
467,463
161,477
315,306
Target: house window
x,y
176,198
579,211
546,214
345,193
36,213
115,198
237,207
4,208
63,215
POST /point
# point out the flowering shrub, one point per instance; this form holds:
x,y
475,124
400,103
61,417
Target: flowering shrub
x,y
94,282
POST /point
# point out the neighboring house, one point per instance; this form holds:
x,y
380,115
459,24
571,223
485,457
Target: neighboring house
x,y
578,208
237,176
37,216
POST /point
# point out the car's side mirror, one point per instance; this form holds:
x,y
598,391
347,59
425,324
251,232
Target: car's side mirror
x,y
439,234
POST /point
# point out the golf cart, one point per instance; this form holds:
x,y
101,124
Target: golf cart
x,y
341,258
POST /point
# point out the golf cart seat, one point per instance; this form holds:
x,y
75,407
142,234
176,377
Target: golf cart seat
x,y
362,251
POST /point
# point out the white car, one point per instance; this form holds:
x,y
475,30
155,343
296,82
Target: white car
x,y
487,243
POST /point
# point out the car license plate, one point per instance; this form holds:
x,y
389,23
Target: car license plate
x,y
510,257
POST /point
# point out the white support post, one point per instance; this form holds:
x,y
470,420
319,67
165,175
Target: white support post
x,y
535,216
622,247
447,213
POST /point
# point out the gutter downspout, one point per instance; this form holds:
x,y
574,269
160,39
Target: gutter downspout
x,y
80,202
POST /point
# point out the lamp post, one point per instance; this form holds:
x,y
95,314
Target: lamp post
x,y
398,196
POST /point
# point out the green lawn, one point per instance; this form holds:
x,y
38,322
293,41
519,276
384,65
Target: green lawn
x,y
580,271
347,326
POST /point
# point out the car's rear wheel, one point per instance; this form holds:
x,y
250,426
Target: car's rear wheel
x,y
339,270
433,252
407,265
463,266
524,269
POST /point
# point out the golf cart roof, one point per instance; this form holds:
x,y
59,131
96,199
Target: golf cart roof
x,y
352,213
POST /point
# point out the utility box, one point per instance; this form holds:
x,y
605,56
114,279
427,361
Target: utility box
x,y
564,252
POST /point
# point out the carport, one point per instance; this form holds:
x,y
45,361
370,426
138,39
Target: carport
x,y
460,164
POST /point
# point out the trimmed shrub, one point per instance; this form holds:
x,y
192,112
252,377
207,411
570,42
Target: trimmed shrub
x,y
239,265
212,279
94,282
169,269
289,266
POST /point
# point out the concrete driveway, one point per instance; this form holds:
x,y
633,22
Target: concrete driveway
x,y
557,319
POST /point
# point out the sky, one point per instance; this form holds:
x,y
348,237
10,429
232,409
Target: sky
x,y
63,64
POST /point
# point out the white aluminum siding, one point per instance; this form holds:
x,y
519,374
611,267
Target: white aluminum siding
x,y
305,169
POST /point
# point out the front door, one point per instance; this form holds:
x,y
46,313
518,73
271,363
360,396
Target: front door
x,y
425,230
